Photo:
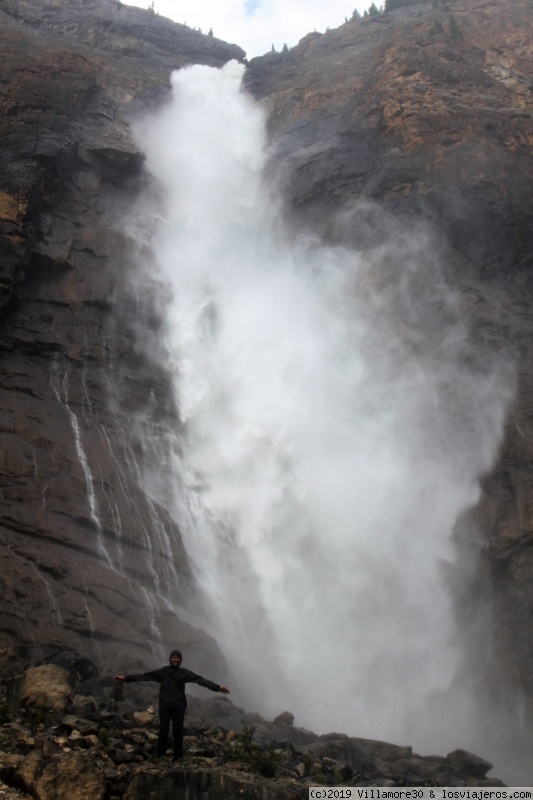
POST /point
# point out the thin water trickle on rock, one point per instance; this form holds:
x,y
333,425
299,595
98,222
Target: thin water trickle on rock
x,y
331,432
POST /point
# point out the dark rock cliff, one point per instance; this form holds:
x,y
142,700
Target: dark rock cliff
x,y
425,109
80,562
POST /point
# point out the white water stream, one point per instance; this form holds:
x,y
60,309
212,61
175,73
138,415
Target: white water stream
x,y
335,424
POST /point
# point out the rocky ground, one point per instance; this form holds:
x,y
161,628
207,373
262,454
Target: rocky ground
x,y
67,733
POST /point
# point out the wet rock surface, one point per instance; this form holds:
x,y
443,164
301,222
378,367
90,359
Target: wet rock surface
x,y
398,109
78,533
98,748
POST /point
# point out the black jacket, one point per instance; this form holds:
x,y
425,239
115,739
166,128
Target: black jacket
x,y
173,680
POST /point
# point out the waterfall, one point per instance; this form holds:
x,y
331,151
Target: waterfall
x,y
335,421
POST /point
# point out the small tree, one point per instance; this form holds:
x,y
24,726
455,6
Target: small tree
x,y
210,32
285,48
373,10
436,28
390,5
454,31
356,14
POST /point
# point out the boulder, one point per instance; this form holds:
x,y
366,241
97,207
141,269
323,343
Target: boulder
x,y
341,751
66,776
285,718
83,703
9,764
385,750
468,763
46,687
199,784
144,718
430,771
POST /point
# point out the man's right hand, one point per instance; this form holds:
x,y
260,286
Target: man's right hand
x,y
119,677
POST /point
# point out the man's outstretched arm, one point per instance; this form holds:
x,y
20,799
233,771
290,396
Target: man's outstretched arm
x,y
192,677
145,676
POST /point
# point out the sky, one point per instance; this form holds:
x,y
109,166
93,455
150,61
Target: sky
x,y
256,25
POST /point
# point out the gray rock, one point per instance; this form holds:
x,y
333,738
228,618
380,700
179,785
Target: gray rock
x,y
285,718
468,764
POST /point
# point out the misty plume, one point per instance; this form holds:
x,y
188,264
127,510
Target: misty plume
x,y
335,419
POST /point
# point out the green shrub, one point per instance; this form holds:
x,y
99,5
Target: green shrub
x,y
454,31
6,715
390,5
436,28
262,761
103,735
40,712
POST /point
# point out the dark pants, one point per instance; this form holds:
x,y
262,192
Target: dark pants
x,y
166,715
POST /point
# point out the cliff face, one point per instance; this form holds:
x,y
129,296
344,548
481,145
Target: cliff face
x,y
426,109
80,563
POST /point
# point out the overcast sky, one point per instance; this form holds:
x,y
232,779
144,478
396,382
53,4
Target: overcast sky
x,y
256,25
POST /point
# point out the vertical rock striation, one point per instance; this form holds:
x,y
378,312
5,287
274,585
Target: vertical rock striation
x,y
88,558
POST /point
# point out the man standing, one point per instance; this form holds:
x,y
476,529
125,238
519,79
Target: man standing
x,y
172,700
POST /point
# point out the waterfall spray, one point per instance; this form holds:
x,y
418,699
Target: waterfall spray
x,y
332,431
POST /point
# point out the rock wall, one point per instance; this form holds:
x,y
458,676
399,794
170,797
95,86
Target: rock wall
x,y
426,109
88,559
